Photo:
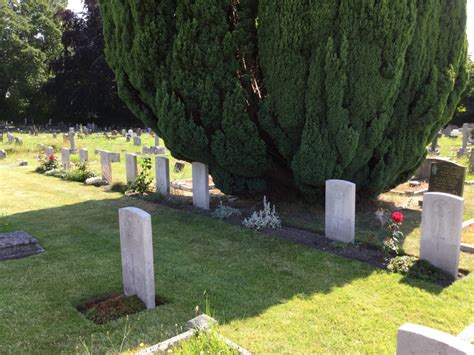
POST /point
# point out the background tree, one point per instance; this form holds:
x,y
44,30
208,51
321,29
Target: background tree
x,y
30,38
465,110
84,87
278,95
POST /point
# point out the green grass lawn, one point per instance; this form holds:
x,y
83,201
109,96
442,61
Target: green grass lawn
x,y
268,294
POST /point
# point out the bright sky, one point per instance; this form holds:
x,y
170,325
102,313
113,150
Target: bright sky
x,y
76,6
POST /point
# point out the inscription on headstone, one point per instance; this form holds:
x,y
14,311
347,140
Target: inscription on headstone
x,y
447,177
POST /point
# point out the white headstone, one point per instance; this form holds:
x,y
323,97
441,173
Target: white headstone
x,y
136,244
106,166
83,155
200,185
157,141
3,154
49,151
162,175
441,228
131,166
417,339
65,158
340,210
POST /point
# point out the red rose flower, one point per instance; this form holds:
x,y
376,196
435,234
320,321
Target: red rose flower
x,y
397,217
51,157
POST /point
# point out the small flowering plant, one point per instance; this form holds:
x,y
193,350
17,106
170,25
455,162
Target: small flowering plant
x,y
394,237
48,163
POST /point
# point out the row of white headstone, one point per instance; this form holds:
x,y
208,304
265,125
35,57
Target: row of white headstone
x,y
441,224
136,245
200,172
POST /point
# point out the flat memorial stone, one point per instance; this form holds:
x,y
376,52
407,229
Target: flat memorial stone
x,y
16,245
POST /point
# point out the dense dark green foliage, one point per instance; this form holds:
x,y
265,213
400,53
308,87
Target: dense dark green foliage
x,y
83,86
287,94
30,38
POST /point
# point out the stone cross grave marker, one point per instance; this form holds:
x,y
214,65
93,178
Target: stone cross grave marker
x,y
83,155
200,173
136,244
441,228
65,158
447,177
162,175
340,210
131,166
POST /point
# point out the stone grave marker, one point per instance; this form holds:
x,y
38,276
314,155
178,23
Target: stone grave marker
x,y
157,141
447,177
145,150
200,173
131,166
1,137
65,158
441,228
106,165
418,339
3,154
137,141
136,245
15,245
10,138
72,142
340,211
162,175
18,141
83,155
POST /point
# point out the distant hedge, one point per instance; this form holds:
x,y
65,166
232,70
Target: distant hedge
x,y
283,95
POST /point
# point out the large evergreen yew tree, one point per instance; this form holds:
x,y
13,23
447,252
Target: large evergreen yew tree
x,y
289,93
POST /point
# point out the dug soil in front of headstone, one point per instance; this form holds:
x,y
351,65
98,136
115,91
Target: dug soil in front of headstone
x,y
107,308
16,245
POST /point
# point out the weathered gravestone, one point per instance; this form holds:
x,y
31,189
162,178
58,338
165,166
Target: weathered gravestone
x,y
340,210
441,228
145,150
83,155
157,141
65,158
1,137
417,339
15,245
131,166
447,177
10,138
162,175
3,154
137,141
136,245
200,173
18,141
